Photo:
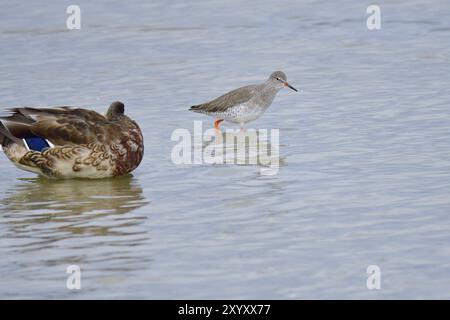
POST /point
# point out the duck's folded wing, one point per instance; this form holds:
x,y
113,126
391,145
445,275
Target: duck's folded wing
x,y
61,125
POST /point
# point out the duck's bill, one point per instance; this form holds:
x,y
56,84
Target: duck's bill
x,y
289,86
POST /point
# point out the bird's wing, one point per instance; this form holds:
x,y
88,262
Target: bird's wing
x,y
61,125
230,99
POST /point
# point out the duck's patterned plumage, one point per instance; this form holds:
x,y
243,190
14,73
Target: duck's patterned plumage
x,y
84,143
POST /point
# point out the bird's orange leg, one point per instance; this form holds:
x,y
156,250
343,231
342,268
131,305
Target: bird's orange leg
x,y
216,123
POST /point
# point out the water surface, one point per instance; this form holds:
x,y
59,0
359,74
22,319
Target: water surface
x,y
365,173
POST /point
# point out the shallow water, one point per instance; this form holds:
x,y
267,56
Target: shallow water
x,y
364,178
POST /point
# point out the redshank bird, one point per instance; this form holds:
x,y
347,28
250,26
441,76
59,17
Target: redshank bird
x,y
65,142
244,104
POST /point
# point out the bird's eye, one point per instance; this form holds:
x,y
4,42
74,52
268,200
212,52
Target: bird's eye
x,y
278,79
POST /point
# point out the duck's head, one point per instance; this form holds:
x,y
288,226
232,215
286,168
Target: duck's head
x,y
115,110
278,80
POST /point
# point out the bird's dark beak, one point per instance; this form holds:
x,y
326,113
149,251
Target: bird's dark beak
x,y
289,86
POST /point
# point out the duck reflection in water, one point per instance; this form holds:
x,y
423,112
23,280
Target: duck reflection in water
x,y
98,207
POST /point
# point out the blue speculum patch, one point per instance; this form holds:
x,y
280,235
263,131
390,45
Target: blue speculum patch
x,y
36,143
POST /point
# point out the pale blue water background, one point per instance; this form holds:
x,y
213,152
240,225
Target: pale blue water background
x,y
365,147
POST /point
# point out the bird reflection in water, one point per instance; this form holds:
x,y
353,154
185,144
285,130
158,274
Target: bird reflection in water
x,y
97,207
252,147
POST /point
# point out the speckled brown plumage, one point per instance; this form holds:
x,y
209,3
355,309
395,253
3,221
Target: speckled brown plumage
x,y
86,144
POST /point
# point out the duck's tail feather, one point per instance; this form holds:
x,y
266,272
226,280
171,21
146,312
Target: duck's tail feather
x,y
17,124
6,136
13,147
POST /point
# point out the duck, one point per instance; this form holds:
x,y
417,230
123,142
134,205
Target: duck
x,y
71,142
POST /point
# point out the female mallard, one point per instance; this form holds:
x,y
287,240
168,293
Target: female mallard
x,y
65,142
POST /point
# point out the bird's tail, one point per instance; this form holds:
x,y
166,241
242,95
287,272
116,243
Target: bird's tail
x,y
196,108
6,136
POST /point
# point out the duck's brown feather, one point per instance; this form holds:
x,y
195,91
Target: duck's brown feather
x,y
62,125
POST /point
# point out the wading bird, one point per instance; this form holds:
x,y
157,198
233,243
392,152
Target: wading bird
x,y
244,104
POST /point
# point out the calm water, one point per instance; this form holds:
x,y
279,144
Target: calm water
x,y
365,175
